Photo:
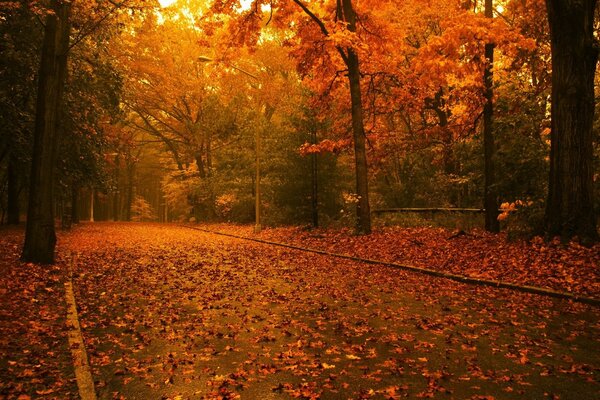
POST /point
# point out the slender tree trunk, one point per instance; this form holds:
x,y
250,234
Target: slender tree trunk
x,y
200,165
40,236
92,204
257,193
74,204
129,199
437,104
315,183
570,203
363,211
208,154
490,200
345,13
12,208
115,205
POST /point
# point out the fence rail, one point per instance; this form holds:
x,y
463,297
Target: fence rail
x,y
430,210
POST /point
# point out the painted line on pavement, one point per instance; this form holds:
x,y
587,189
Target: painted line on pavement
x,y
83,374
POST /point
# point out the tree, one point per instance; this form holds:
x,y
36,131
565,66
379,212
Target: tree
x,y
19,60
89,17
570,205
345,14
489,147
334,43
40,237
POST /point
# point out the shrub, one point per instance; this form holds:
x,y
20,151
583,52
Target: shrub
x,y
522,218
141,210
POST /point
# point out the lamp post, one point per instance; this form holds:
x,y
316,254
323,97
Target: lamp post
x,y
257,206
205,59
92,204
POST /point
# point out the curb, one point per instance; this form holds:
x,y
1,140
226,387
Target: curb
x,y
425,271
83,374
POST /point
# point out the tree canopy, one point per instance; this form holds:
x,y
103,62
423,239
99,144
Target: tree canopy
x,y
353,104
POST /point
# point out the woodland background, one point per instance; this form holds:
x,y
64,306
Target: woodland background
x,y
123,110
163,107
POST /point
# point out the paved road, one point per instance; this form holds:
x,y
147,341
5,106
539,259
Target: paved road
x,y
168,312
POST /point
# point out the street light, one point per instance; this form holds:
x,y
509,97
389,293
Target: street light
x,y
92,205
205,59
257,206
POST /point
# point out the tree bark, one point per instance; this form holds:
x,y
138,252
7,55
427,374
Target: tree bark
x,y
314,183
116,192
200,164
74,204
363,211
570,203
257,192
13,209
129,195
345,13
490,200
40,236
92,204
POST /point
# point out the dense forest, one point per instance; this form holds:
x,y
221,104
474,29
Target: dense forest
x,y
299,199
284,112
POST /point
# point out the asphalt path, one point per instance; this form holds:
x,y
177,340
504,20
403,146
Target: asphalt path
x,y
167,312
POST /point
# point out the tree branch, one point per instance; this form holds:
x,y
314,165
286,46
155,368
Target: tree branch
x,y
313,17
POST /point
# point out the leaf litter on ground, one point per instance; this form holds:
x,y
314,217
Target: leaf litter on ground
x,y
571,268
167,312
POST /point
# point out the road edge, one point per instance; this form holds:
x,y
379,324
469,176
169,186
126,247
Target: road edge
x,y
83,373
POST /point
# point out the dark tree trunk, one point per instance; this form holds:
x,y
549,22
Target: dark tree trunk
x,y
12,208
437,104
74,204
209,154
129,199
40,236
315,183
363,211
490,200
200,165
115,205
570,205
345,13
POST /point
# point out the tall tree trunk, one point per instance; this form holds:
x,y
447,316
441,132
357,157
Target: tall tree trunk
x,y
437,104
92,204
40,237
74,204
363,211
570,204
490,200
13,209
345,13
129,197
116,193
257,192
209,154
200,164
315,183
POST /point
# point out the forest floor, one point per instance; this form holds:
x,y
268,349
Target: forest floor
x,y
174,313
